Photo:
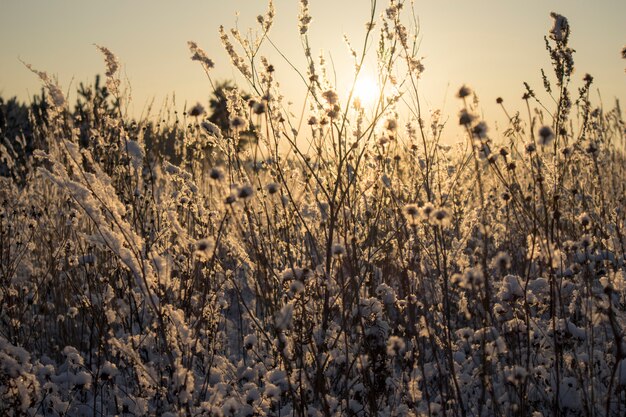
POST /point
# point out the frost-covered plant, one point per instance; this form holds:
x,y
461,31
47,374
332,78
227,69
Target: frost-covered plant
x,y
348,262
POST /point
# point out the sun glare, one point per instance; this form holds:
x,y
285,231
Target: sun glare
x,y
366,90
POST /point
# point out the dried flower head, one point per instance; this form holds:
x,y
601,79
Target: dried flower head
x,y
204,248
245,191
238,123
197,110
304,18
259,107
427,210
464,91
211,129
480,130
502,261
395,346
584,220
411,214
560,27
338,250
111,61
198,54
250,341
272,188
440,217
331,97
391,124
216,174
466,118
546,135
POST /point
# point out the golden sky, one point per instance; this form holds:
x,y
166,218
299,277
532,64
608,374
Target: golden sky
x,y
491,45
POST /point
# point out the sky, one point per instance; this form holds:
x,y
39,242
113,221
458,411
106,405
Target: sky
x,y
491,45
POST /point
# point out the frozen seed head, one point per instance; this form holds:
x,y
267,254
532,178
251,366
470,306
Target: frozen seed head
x,y
471,278
584,220
111,61
333,111
272,188
391,124
516,374
245,192
211,129
300,274
197,54
393,10
331,97
230,407
465,333
480,130
530,148
427,210
441,217
249,341
267,20
411,210
560,27
82,380
411,214
204,247
586,241
237,123
72,312
395,346
466,118
197,110
383,140
592,148
259,107
271,392
216,174
304,18
566,151
55,97
108,371
72,261
296,287
546,135
338,250
464,91
416,65
502,261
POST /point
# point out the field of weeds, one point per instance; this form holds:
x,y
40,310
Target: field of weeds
x,y
345,262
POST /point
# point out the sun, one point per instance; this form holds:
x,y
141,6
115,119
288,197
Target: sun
x,y
366,90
